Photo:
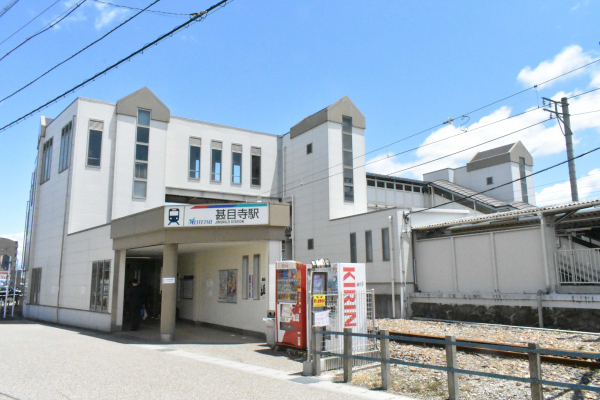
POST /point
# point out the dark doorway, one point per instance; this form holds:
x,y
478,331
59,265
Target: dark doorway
x,y
145,271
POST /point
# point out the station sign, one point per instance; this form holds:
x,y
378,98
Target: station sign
x,y
217,215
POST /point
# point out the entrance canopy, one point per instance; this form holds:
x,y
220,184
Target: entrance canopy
x,y
201,224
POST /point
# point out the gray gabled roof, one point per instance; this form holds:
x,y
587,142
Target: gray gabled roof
x,y
334,113
508,153
145,99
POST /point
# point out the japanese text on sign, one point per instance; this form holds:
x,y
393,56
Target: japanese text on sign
x,y
319,300
215,215
322,318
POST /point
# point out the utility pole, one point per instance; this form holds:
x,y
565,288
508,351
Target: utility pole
x,y
568,134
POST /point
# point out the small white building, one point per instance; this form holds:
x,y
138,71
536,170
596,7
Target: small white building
x,y
118,195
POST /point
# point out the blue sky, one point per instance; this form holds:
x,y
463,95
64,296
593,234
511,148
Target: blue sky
x,y
265,65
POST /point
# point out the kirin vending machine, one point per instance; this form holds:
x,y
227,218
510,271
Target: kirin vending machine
x,y
290,312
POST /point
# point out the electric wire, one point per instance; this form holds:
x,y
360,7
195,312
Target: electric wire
x,y
450,119
150,11
196,18
581,94
30,21
45,29
8,7
77,53
507,183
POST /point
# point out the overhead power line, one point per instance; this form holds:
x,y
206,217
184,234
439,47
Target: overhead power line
x,y
196,17
30,21
507,183
8,7
45,29
79,52
150,11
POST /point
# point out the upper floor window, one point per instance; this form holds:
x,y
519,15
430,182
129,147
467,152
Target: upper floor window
x,y
523,175
348,159
215,167
255,166
309,148
353,255
236,163
195,146
65,147
46,160
142,144
385,244
369,246
94,143
489,180
370,183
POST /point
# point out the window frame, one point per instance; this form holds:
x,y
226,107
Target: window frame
x,y
489,180
46,160
135,159
309,148
212,171
257,150
310,244
385,238
523,178
190,145
246,276
66,135
241,153
87,156
345,152
256,277
100,286
369,246
353,248
36,284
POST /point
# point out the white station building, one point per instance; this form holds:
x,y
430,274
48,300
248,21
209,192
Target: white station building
x,y
128,192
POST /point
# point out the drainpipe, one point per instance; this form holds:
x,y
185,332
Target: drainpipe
x,y
402,269
544,249
540,309
390,218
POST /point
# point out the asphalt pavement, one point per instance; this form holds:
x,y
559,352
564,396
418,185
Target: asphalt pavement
x,y
42,361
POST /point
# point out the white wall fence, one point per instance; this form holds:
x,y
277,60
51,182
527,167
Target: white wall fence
x,y
577,267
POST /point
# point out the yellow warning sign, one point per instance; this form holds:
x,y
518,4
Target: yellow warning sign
x,y
319,300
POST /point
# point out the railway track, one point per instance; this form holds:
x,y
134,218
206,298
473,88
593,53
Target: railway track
x,y
572,361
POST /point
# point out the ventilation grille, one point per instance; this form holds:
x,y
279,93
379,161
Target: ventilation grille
x,y
195,142
255,151
96,125
216,145
236,148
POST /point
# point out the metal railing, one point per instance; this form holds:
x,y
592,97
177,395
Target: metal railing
x,y
578,267
533,350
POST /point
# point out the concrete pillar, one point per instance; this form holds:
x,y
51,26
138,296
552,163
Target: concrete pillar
x,y
118,291
169,293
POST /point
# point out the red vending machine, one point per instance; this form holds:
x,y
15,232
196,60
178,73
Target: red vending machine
x,y
291,304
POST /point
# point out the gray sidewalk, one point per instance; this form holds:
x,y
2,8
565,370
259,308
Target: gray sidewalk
x,y
48,362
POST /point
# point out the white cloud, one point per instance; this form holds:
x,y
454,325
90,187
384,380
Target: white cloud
x,y
541,140
588,187
19,238
570,58
107,15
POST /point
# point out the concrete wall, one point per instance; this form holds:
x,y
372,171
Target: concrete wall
x,y
497,262
177,158
246,314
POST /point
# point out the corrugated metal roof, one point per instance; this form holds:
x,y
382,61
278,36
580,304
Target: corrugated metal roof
x,y
521,205
554,209
463,191
492,152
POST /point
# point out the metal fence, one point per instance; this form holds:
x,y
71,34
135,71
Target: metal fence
x,y
355,310
533,350
578,267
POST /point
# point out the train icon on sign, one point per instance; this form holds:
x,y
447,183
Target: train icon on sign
x,y
174,216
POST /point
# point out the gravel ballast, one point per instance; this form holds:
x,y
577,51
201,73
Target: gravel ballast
x,y
430,384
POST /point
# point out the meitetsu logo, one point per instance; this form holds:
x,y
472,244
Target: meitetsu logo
x,y
194,221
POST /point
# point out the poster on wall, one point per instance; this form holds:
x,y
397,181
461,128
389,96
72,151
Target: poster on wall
x,y
228,286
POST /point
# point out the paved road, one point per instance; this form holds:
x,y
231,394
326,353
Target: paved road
x,y
46,362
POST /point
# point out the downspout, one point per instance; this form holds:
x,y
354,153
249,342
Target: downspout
x,y
62,243
402,269
544,249
391,233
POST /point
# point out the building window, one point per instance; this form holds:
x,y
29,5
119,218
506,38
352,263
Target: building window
x,y
195,146
369,246
311,244
142,142
94,143
523,179
255,278
380,184
417,189
36,280
236,163
370,182
353,248
347,159
399,187
489,180
46,160
246,276
215,168
255,166
407,188
65,147
100,286
309,148
389,185
385,243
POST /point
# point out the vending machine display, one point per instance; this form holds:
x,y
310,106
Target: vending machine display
x,y
291,304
